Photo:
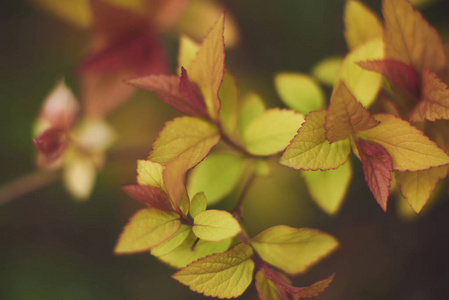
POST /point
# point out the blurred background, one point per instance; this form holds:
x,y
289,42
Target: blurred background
x,y
53,247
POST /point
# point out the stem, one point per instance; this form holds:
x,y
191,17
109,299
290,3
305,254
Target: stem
x,y
27,184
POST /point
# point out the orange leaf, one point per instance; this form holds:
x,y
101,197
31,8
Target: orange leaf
x,y
401,74
345,115
434,104
377,166
409,38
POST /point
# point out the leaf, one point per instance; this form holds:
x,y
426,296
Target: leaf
x,y
328,188
188,49
184,134
310,150
364,85
409,38
377,166
216,176
80,172
409,148
207,69
293,250
75,12
271,131
174,242
326,70
215,225
146,229
345,115
315,289
434,104
167,87
417,187
299,92
223,275
401,74
52,143
361,24
191,250
150,195
191,93
267,289
252,107
230,104
150,173
198,204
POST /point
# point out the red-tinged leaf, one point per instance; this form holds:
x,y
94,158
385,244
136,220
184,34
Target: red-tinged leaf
x,y
416,187
150,195
409,38
165,13
267,289
401,74
51,143
207,69
345,115
168,88
377,166
315,289
434,104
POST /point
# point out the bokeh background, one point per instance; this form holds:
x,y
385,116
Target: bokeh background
x,y
52,247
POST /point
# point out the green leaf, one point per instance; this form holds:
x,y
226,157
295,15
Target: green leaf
x,y
328,188
293,250
198,204
146,229
150,173
215,225
174,242
216,176
299,92
185,254
252,107
271,131
326,70
222,275
310,150
182,135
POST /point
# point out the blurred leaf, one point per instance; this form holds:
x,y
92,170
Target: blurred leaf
x,y
188,49
310,150
293,250
215,225
252,107
79,175
271,131
361,24
222,275
174,242
216,176
230,104
198,204
328,188
364,85
75,12
186,253
409,148
326,70
299,92
146,229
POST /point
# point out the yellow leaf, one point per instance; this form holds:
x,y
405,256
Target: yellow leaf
x,y
293,250
229,109
345,115
363,84
271,131
223,275
79,175
207,68
326,70
361,24
150,173
146,229
409,38
310,150
252,107
188,49
186,253
328,188
416,187
182,135
215,225
267,290
299,92
198,204
172,243
409,148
